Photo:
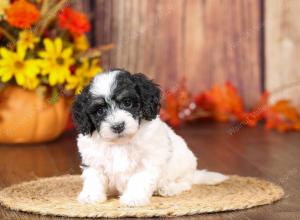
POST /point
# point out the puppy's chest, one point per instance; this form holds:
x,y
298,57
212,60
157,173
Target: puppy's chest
x,y
120,160
114,160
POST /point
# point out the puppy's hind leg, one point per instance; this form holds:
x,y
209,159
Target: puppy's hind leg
x,y
208,178
173,188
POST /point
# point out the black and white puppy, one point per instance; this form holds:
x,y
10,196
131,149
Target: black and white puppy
x,y
124,145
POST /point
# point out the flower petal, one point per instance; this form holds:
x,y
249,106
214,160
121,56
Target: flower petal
x,y
5,53
49,46
67,53
21,52
58,45
20,78
43,54
6,77
52,80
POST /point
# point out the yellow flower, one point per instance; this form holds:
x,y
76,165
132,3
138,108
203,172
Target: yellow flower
x,y
31,83
27,39
83,74
56,61
3,6
15,64
81,43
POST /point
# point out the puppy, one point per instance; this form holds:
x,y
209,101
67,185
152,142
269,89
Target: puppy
x,y
125,147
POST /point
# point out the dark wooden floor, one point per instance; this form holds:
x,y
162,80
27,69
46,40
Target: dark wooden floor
x,y
248,152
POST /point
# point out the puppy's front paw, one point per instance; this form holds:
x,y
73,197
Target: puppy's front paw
x,y
134,199
91,197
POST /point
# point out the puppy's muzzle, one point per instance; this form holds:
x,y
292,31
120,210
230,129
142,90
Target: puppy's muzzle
x,y
118,127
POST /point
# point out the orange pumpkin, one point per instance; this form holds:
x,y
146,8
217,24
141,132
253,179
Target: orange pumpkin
x,y
26,117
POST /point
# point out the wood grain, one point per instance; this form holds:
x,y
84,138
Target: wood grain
x,y
282,34
206,42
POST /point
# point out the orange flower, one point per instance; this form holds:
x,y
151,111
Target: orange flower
x,y
22,14
74,21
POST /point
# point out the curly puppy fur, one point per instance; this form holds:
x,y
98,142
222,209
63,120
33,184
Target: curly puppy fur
x,y
125,147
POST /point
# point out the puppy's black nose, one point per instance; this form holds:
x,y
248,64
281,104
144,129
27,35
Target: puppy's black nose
x,y
118,128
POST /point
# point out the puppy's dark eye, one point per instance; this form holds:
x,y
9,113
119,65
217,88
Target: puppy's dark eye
x,y
126,103
100,111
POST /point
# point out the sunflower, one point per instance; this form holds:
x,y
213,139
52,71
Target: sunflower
x,y
56,61
27,39
4,4
14,64
22,14
83,74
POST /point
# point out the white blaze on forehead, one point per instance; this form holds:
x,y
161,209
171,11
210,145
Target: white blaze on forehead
x,y
102,83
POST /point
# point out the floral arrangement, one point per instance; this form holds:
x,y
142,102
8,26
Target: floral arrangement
x,y
44,46
223,104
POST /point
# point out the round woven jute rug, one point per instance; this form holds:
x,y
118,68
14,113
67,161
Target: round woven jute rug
x,y
57,196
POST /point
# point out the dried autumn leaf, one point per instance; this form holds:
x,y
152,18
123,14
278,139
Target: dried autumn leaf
x,y
169,111
297,126
223,103
258,112
282,116
174,103
234,100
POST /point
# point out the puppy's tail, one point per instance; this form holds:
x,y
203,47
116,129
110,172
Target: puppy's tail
x,y
208,178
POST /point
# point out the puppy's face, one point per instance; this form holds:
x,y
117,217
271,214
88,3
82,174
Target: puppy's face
x,y
114,104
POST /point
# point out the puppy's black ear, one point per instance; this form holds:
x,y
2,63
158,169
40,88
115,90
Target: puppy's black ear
x,y
81,119
150,95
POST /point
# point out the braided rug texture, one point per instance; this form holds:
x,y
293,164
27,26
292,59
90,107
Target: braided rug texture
x,y
57,196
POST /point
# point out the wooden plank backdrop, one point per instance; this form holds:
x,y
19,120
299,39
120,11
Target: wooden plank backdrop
x,y
282,37
207,42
